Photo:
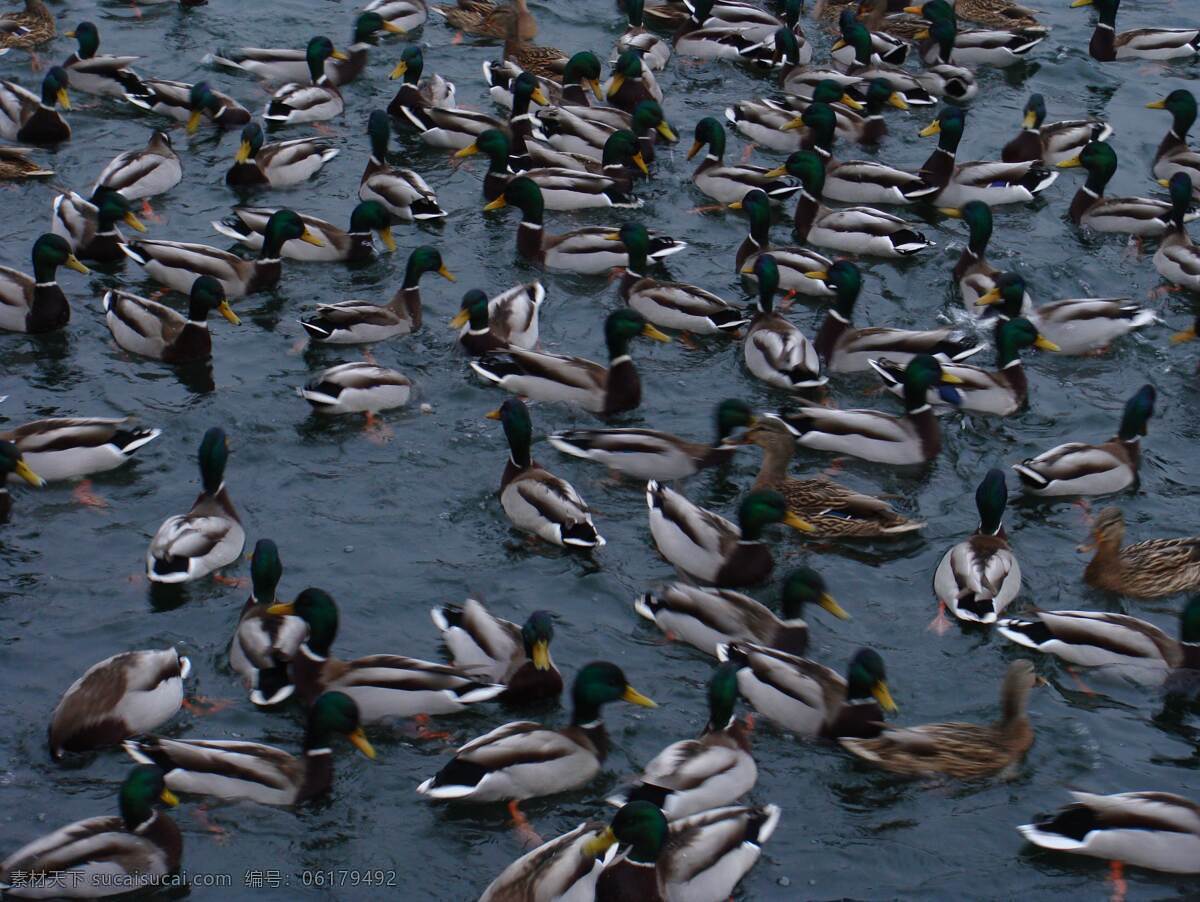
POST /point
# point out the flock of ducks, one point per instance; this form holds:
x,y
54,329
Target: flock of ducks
x,y
569,140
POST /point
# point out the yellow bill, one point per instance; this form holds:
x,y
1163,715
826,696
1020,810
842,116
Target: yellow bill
x,y
498,204
460,319
615,83
244,152
650,331
838,44
64,99
393,28
492,414
613,236
469,151
1078,3
69,34
829,603
952,212
914,10
933,128
992,297
798,523
309,238
897,101
23,470
399,70
695,149
792,125
922,35
193,122
640,162
358,739
133,222
665,130
168,798
1163,183
340,55
634,697
226,311
594,84
1030,120
539,96
849,101
884,696
541,654
1045,344
818,274
951,379
282,609
737,205
446,274
1157,105
777,172
600,843
1180,337
388,239
72,262
1072,163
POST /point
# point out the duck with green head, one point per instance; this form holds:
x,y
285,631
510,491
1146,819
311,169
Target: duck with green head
x,y
436,91
1178,258
1108,44
580,76
90,227
1051,142
654,51
12,464
353,245
316,98
1143,217
770,123
866,65
210,536
774,350
150,329
975,276
28,118
738,30
510,319
36,303
577,135
403,192
631,83
944,43
189,103
1173,154
477,339
727,184
793,262
454,128
279,164
92,73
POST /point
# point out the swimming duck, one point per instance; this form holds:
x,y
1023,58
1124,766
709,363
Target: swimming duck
x,y
655,52
1173,154
1108,44
123,695
455,128
436,91
150,329
512,316
996,14
189,103
497,650
67,447
359,387
249,224
361,322
727,184
90,227
631,83
793,263
177,264
279,164
405,15
1051,142
1077,468
775,351
950,81
26,29
402,192
1178,258
708,547
13,466
32,119
144,173
239,770
317,99
866,66
887,46
975,276
482,17
962,750
772,123
999,48
108,76
138,849
36,303
703,38
868,127
1148,569
16,165
476,336
546,62
577,136
581,71
209,536
556,869
1144,217
525,760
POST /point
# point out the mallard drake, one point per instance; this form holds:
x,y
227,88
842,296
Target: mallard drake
x,y
702,37
264,643
13,466
276,165
585,131
139,174
16,165
525,760
136,850
402,192
209,536
535,500
436,91
913,438
150,329
775,351
512,316
28,28
708,547
1178,258
90,227
727,184
655,52
239,770
1173,154
317,99
1107,44
1148,569
455,129
581,71
491,648
974,47
1051,142
406,15
32,119
65,448
975,276
868,128
772,122
961,750
917,90
1077,468
708,617
109,76
475,336
123,695
361,322
36,303
358,387
1144,217
177,264
810,699
189,103
631,83
794,263
249,224
557,869
482,17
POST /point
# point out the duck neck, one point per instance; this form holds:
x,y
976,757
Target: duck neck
x,y
807,208
1103,45
777,454
832,328
940,165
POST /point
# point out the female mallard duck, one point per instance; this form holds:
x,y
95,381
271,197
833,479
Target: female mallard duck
x,y
534,499
1148,569
144,173
276,165
631,83
402,192
498,650
436,91
1155,830
525,760
511,317
1108,44
962,750
405,15
794,263
26,29
16,165
1178,257
866,66
996,14
359,387
771,123
702,37
124,695
177,264
240,770
90,227
974,47
913,438
30,119
727,184
832,510
337,245
706,618
65,448
381,686
581,71
314,101
102,856
695,775
209,536
36,303
708,547
150,329
264,643
1077,468
361,322
655,52
13,466
979,577
810,699
1173,154
1144,217
1051,142
991,181
109,76
545,62
189,103
975,276
775,351
481,17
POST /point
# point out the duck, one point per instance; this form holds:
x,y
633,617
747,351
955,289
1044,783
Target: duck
x,y
26,29
31,118
525,760
61,448
126,694
912,438
251,771
974,275
949,81
406,15
176,264
481,17
405,195
144,173
512,316
108,76
1051,142
249,224
140,848
631,83
556,869
965,751
15,165
361,322
1178,258
208,537
774,350
810,699
887,18
1143,217
453,128
359,387
1077,468
546,62
798,77
150,329
577,136
1173,154
264,643
36,303
887,44
1107,44
90,227
279,164
436,91
867,127
707,617
491,648
700,37
1151,568
646,454
13,466
999,48
581,71
189,103
589,250
709,548
915,90
772,123
317,99
794,263
476,336
655,52
996,14
727,184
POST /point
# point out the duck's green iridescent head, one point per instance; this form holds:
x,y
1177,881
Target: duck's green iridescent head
x,y
201,100
648,116
411,65
822,120
212,457
1008,293
536,635
628,67
12,461
792,10
845,278
143,786
762,508
600,683
733,414
1189,622
866,678
524,194
1138,411
701,10
787,48
251,143
319,49
624,325
208,295
639,826
379,130
494,144
949,126
584,69
766,270
54,88
635,10
518,429
978,217
991,498
622,148
944,34
49,253
372,216
1014,335
1181,104
809,168
637,243
317,609
112,207
335,714
368,25
722,696
855,34
525,89
285,225
422,260
88,36
1035,112
474,310
879,92
1181,188
923,373
266,569
806,586
934,10
709,132
758,211
1100,161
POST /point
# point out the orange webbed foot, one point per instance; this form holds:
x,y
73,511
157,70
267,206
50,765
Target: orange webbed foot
x,y
940,624
83,494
